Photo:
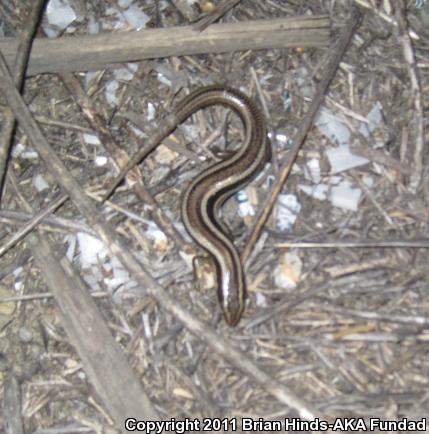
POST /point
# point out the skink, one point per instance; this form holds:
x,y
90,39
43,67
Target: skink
x,y
209,190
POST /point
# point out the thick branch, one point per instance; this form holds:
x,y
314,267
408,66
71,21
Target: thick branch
x,y
96,52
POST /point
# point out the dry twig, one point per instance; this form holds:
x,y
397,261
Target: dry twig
x,y
19,62
356,244
119,156
416,97
31,224
388,19
219,11
335,57
86,328
107,234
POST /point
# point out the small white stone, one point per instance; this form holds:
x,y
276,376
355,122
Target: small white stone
x,y
342,159
345,196
287,274
100,160
91,139
288,209
39,183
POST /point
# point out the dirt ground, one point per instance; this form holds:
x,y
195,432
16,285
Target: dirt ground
x,y
337,309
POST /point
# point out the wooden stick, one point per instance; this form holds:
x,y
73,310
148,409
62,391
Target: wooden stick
x,y
12,404
408,244
96,52
88,332
18,64
220,10
415,96
111,375
107,234
335,56
118,155
385,17
31,224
